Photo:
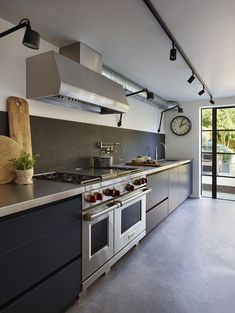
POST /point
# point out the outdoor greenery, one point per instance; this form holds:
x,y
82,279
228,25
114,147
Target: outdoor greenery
x,y
225,121
24,161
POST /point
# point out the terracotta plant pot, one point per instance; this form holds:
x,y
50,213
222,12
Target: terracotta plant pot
x,y
24,177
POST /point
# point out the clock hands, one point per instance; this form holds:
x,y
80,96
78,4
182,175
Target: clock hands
x,y
183,124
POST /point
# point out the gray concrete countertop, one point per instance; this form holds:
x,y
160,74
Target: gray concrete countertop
x,y
15,198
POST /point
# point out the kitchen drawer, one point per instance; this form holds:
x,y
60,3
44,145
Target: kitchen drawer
x,y
159,184
54,295
16,230
156,215
32,262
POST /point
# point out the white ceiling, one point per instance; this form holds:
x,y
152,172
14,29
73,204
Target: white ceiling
x,y
134,44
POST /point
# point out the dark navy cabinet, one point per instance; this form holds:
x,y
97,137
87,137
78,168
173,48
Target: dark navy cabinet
x,y
40,258
159,184
180,185
157,200
169,189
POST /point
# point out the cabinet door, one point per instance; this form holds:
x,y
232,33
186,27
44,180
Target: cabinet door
x,y
180,185
159,184
185,181
174,189
20,228
53,295
25,266
37,243
189,181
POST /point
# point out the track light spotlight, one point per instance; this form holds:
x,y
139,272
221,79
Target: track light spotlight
x,y
202,91
180,110
31,37
173,52
150,95
191,78
120,121
211,100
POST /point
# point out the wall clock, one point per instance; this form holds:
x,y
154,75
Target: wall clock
x,y
181,125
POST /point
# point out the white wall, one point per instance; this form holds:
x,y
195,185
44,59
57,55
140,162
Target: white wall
x,y
188,146
141,115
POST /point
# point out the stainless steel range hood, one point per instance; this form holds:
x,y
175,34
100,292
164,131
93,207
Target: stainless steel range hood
x,y
62,80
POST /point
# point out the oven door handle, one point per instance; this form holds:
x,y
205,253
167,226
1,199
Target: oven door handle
x,y
95,213
141,193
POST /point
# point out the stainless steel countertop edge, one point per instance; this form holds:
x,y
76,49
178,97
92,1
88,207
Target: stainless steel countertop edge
x,y
55,196
162,168
32,203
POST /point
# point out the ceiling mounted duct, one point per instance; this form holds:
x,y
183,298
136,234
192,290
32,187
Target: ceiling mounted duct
x,y
72,80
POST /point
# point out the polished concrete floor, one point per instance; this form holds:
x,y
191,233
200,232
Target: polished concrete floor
x,y
186,265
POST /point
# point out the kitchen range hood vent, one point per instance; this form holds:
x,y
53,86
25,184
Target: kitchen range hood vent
x,y
58,79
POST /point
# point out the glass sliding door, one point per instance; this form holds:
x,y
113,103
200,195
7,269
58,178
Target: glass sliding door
x,y
206,148
218,153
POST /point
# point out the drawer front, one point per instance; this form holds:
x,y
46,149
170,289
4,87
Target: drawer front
x,y
159,185
25,266
17,230
53,295
156,215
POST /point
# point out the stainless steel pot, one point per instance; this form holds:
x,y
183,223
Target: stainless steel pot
x,y
103,161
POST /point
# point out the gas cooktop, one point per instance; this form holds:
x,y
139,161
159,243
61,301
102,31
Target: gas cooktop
x,y
107,172
73,178
88,175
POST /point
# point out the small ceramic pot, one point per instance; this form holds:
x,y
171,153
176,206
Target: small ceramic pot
x,y
24,177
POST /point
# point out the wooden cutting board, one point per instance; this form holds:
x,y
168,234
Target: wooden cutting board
x,y
143,164
9,149
19,123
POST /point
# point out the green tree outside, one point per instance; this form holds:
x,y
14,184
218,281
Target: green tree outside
x,y
225,120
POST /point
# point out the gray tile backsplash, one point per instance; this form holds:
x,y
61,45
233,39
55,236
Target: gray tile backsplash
x,y
66,145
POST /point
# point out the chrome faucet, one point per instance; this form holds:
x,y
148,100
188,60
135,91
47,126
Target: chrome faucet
x,y
147,151
161,143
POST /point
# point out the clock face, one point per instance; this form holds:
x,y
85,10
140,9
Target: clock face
x,y
181,125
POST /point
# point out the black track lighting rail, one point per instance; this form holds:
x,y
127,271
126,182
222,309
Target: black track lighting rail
x,y
154,12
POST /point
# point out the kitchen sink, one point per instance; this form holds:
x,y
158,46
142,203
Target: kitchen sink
x,y
165,161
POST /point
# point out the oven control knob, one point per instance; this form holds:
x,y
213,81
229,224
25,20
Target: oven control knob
x,y
113,192
108,192
99,196
130,187
91,199
138,182
145,180
117,193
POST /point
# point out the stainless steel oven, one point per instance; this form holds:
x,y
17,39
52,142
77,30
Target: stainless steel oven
x,y
113,207
109,228
98,238
130,218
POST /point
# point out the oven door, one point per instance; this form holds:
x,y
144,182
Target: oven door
x,y
130,218
97,238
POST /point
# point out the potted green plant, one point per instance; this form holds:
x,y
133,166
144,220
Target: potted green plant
x,y
24,165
